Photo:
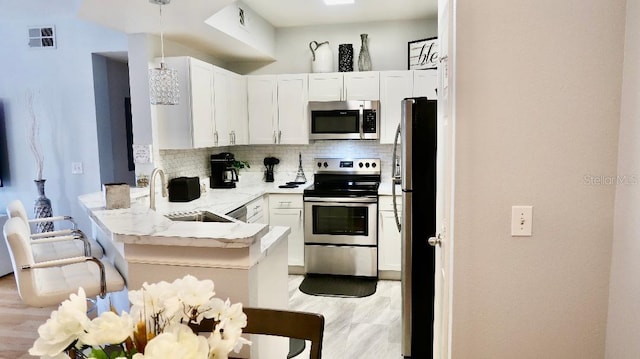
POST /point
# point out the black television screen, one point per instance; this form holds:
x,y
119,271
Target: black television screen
x,y
4,155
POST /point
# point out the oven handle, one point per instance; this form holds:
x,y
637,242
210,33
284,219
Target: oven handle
x,y
342,199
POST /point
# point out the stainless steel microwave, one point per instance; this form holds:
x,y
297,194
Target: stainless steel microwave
x,y
344,120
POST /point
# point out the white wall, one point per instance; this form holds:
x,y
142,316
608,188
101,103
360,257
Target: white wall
x,y
62,82
624,290
537,112
256,32
387,45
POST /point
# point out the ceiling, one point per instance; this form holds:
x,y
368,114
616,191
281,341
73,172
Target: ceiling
x,y
315,12
183,20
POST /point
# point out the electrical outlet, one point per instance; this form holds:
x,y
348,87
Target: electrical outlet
x,y
521,221
76,168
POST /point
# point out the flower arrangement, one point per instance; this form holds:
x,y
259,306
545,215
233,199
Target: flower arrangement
x,y
156,326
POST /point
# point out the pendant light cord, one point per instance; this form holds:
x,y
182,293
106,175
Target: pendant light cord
x,y
161,39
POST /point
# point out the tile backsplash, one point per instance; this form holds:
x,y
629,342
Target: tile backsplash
x,y
178,163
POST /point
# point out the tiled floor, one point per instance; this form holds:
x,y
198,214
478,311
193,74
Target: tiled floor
x,y
366,327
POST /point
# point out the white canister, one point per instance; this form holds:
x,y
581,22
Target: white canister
x,y
321,57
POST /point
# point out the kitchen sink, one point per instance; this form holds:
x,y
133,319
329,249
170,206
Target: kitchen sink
x,y
197,216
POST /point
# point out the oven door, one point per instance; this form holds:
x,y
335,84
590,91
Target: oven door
x,y
341,221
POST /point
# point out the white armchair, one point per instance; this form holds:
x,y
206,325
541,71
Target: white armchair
x,y
63,243
49,283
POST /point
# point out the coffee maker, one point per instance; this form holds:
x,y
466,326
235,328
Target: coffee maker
x,y
223,174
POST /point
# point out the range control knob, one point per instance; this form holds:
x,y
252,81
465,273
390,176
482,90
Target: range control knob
x,y
360,165
373,165
319,164
366,164
326,165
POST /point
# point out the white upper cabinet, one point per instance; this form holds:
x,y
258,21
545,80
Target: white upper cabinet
x,y
344,86
190,123
394,87
361,85
239,124
277,107
425,83
262,97
325,86
230,108
293,114
221,106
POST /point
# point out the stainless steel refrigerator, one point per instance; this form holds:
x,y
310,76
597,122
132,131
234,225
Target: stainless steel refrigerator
x,y
417,134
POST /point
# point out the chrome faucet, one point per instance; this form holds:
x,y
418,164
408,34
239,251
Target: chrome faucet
x,y
152,187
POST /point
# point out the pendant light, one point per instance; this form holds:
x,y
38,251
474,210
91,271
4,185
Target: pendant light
x,y
163,81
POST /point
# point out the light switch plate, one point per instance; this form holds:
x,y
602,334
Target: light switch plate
x,y
76,168
521,221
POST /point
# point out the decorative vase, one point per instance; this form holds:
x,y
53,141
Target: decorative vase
x,y
321,56
364,59
345,57
42,208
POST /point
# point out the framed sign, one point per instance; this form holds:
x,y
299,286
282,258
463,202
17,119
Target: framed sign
x,y
423,54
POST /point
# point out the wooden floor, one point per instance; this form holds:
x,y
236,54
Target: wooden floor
x,y
18,322
362,327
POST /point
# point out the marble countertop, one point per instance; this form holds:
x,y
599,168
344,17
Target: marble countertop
x,y
141,225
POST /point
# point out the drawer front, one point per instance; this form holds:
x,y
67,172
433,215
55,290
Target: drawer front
x,y
341,260
385,203
285,201
255,207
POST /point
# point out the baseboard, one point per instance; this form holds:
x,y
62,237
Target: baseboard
x,y
296,270
389,275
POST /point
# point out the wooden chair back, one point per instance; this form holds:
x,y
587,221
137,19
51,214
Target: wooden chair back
x,y
282,323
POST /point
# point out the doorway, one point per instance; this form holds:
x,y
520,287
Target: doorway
x,y
113,118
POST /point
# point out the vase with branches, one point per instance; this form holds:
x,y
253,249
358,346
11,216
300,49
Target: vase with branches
x,y
42,207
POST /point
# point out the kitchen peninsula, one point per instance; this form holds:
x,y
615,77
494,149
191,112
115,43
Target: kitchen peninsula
x,y
246,261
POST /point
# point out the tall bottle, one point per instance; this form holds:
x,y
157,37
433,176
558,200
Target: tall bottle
x,y
364,59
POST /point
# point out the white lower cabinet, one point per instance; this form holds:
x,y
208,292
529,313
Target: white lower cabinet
x,y
255,211
389,246
286,210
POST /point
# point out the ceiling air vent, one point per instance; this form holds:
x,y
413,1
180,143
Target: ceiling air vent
x,y
42,37
242,17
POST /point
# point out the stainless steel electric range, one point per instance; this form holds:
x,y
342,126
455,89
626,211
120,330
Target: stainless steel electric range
x,y
341,217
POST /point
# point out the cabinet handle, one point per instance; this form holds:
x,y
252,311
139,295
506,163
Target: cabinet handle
x,y
215,137
279,136
300,215
275,138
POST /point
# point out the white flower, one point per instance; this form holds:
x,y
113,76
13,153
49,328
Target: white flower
x,y
232,317
152,301
193,297
222,343
177,341
108,328
63,327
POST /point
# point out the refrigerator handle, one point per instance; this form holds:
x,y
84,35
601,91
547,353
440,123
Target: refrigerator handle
x,y
393,185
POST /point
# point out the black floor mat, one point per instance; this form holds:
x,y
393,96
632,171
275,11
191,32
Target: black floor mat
x,y
338,285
